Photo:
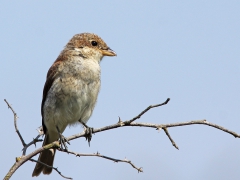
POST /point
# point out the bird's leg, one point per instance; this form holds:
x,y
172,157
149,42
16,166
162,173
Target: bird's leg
x,y
63,140
88,133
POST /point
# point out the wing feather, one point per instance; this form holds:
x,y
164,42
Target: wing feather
x,y
48,84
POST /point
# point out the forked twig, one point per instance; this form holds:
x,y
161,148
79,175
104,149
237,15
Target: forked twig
x,y
168,135
105,157
120,123
34,141
15,123
25,146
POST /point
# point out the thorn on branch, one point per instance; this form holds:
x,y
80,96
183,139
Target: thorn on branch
x,y
18,159
34,141
159,128
120,121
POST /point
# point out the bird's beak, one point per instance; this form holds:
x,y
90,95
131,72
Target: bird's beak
x,y
108,52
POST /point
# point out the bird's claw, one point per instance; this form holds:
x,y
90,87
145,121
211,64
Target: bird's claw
x,y
63,141
88,134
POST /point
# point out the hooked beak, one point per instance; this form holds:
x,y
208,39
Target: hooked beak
x,y
108,52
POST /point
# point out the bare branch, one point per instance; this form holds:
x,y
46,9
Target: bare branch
x,y
168,135
102,156
147,109
203,122
156,126
51,167
21,160
25,146
34,141
15,123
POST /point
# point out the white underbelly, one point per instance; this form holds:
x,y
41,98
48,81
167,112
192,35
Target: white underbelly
x,y
69,101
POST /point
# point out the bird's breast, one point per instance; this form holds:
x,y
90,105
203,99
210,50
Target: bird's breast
x,y
73,93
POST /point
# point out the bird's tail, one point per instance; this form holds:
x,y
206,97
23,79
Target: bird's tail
x,y
46,157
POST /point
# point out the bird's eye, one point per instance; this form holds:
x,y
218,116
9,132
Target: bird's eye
x,y
94,43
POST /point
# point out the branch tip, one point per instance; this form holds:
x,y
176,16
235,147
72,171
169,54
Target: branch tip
x,y
170,138
140,170
23,158
147,109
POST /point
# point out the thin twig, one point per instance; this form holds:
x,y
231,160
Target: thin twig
x,y
156,126
168,135
15,123
34,141
33,160
21,160
105,157
25,146
147,109
120,123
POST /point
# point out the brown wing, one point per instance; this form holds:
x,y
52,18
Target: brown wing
x,y
49,81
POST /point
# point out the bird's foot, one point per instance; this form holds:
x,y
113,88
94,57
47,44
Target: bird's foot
x,y
63,141
88,133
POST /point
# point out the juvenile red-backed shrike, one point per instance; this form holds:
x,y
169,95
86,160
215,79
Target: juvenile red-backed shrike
x,y
70,91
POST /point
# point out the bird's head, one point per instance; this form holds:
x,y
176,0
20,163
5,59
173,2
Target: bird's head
x,y
90,46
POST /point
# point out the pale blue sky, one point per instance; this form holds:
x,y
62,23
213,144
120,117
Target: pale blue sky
x,y
185,50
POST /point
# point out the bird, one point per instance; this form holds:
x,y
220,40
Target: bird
x,y
70,91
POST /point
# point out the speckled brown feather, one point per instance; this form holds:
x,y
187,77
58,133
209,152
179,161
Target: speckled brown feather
x,y
84,39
